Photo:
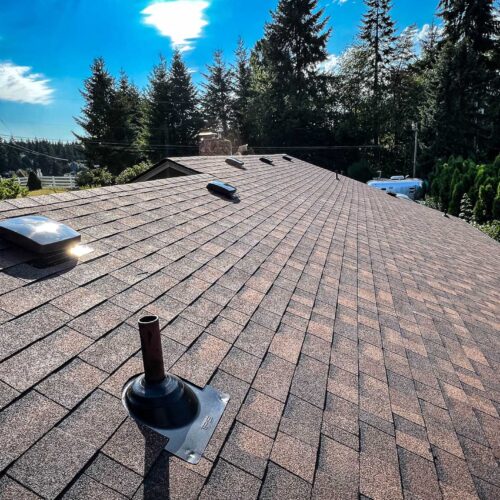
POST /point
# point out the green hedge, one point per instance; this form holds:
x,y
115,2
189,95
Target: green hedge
x,y
457,177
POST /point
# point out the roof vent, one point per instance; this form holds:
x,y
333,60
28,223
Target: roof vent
x,y
234,162
168,405
222,188
52,241
267,160
287,158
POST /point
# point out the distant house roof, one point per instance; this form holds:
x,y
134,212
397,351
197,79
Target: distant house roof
x,y
357,335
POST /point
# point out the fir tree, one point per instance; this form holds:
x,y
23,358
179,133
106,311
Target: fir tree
x,y
289,107
466,95
159,108
96,114
378,39
127,126
218,95
403,97
242,93
471,20
184,120
430,45
465,208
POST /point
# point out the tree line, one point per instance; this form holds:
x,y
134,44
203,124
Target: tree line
x,y
18,157
360,116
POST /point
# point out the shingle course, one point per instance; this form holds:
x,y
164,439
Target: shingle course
x,y
356,334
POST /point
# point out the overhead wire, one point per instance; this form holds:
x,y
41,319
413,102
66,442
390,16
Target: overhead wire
x,y
13,144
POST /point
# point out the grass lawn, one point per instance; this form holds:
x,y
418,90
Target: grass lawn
x,y
40,192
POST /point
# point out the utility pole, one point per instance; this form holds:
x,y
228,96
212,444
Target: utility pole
x,y
414,127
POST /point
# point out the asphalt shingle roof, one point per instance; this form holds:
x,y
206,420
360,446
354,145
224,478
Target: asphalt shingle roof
x,y
357,335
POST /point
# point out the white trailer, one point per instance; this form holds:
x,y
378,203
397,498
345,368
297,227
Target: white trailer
x,y
413,188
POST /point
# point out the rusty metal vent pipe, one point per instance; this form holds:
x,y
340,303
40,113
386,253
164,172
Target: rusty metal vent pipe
x,y
174,408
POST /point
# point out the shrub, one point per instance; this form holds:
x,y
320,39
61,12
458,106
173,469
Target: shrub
x,y
34,182
492,229
94,177
452,179
465,208
360,171
431,202
131,173
496,204
10,188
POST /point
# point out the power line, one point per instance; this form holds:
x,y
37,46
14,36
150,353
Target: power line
x,y
152,147
30,151
14,145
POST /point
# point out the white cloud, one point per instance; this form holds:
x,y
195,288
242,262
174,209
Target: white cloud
x,y
180,20
329,64
424,32
19,84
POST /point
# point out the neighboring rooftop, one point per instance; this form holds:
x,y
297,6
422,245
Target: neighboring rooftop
x,y
357,335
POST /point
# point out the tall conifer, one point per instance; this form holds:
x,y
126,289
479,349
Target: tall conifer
x,y
185,120
159,108
289,107
242,92
96,114
218,95
378,39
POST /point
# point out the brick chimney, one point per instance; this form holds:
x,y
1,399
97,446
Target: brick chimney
x,y
212,145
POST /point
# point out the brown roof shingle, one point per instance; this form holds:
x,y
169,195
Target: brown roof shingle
x,y
357,334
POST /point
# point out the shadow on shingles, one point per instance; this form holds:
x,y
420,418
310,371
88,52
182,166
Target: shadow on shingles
x,y
155,485
29,267
235,199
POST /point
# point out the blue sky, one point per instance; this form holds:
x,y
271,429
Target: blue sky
x,y
46,46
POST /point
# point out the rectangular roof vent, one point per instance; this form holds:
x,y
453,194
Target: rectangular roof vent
x,y
287,158
267,160
234,162
222,188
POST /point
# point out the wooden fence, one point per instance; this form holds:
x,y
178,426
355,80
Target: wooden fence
x,y
48,181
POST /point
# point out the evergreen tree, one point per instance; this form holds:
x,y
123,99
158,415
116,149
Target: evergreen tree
x,y
184,120
127,126
242,93
26,162
290,92
479,213
378,39
159,108
496,204
218,95
13,157
458,191
4,158
404,96
430,45
96,114
465,208
465,94
34,182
